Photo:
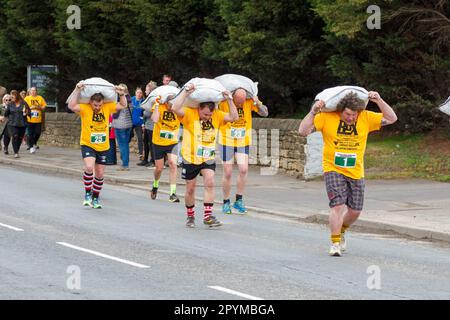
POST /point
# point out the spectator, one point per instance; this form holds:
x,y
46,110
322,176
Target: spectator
x,y
123,124
166,79
111,156
16,112
3,123
138,119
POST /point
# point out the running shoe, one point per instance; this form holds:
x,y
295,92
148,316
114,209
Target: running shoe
x,y
226,208
212,222
240,207
96,204
87,199
190,222
153,193
173,198
335,250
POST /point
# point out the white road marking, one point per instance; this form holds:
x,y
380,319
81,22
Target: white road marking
x,y
10,227
236,293
99,254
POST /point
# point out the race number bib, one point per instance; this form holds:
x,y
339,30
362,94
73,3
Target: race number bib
x,y
237,133
97,138
166,135
34,114
345,160
205,152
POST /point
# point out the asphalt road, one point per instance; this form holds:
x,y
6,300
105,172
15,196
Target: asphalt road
x,y
136,248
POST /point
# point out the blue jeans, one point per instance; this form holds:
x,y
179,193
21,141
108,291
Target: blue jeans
x,y
123,139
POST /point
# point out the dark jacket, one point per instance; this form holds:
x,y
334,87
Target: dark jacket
x,y
17,116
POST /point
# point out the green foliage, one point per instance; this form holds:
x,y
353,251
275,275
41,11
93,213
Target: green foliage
x,y
342,17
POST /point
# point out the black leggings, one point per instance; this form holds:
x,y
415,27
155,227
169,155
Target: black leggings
x,y
34,133
148,146
6,138
16,134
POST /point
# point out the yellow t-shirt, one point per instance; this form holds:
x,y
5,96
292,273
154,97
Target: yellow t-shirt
x,y
344,145
165,131
199,137
95,126
35,102
239,132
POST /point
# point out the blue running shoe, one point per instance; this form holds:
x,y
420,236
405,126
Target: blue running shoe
x,y
96,204
240,207
226,208
87,199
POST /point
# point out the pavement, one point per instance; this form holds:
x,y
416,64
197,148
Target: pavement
x,y
417,209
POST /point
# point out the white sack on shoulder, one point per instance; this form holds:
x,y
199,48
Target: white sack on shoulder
x,y
332,96
206,90
97,85
162,91
232,82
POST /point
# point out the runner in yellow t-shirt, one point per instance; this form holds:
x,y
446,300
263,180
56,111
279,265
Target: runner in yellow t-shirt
x,y
165,142
200,128
94,139
345,133
235,139
34,127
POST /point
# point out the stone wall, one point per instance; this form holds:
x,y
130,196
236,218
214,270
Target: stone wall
x,y
297,156
62,130
276,143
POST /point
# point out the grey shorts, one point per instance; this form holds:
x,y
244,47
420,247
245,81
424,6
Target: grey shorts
x,y
344,190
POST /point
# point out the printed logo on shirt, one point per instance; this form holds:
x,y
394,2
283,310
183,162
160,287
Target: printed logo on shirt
x,y
346,129
207,125
169,116
98,117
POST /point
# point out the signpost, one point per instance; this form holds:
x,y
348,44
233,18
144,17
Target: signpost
x,y
38,76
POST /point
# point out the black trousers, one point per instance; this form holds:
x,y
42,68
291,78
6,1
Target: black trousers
x,y
16,134
148,146
6,138
34,133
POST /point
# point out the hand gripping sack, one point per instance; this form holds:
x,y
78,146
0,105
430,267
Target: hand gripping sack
x,y
206,90
97,85
162,91
232,82
445,107
333,96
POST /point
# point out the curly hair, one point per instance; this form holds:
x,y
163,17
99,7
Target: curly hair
x,y
352,102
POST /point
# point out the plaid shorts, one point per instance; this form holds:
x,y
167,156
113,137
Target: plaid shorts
x,y
344,190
